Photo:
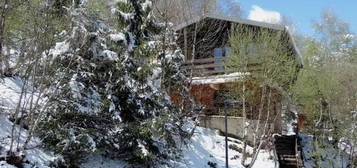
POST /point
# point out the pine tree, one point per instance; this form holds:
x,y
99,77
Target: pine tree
x,y
82,115
109,91
148,111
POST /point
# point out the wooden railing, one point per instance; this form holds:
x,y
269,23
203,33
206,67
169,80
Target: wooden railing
x,y
206,66
212,66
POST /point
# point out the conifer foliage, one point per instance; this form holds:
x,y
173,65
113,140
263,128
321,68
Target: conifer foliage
x,y
109,90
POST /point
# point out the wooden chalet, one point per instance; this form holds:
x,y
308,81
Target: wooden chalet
x,y
205,43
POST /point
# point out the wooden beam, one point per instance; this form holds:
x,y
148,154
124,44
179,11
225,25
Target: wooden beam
x,y
204,60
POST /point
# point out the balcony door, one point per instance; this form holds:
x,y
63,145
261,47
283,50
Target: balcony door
x,y
220,53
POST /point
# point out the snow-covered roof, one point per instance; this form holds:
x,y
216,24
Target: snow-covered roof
x,y
217,79
277,27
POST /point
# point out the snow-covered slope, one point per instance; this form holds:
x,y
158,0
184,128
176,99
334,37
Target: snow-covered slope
x,y
35,156
10,90
206,147
10,93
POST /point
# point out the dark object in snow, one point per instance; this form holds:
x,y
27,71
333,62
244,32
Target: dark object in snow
x,y
235,157
9,73
212,164
235,147
13,159
21,121
59,163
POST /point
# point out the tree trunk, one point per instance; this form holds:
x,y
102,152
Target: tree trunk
x,y
257,129
266,132
245,129
2,32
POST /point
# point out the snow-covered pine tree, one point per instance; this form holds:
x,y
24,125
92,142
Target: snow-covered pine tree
x,y
82,116
106,92
152,64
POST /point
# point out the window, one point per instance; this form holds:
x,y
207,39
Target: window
x,y
219,53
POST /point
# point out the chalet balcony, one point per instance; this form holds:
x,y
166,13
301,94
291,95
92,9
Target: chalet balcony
x,y
207,67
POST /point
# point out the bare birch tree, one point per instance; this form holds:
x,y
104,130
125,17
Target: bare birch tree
x,y
326,87
268,62
33,22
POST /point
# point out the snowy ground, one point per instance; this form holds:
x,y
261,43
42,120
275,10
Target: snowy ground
x,y
10,90
206,146
35,156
